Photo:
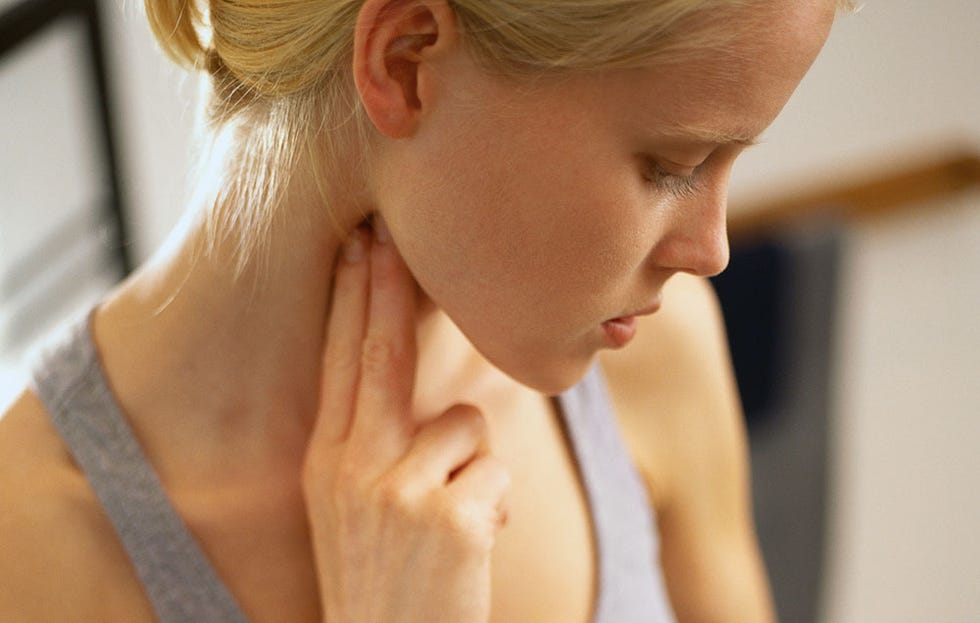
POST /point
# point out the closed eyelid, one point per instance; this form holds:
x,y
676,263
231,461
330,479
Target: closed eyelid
x,y
676,184
730,149
662,167
687,168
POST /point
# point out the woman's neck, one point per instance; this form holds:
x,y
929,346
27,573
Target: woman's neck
x,y
217,373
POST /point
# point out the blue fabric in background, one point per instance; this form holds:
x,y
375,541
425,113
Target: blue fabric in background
x,y
752,291
779,298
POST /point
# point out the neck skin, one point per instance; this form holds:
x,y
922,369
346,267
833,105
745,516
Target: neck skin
x,y
222,375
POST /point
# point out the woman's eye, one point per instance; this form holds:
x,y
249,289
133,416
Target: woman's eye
x,y
664,180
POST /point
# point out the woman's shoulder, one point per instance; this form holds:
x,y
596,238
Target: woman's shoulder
x,y
673,387
681,419
58,555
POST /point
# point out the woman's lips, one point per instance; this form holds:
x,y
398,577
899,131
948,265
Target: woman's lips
x,y
619,331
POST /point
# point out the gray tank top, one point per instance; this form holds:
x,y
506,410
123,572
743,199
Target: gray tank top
x,y
180,581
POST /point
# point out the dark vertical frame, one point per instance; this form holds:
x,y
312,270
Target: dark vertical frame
x,y
30,18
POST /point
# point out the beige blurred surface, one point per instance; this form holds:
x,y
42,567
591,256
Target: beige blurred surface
x,y
895,83
906,429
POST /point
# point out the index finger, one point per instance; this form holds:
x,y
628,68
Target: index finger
x,y
347,318
388,359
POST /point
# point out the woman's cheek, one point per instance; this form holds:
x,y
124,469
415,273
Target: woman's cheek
x,y
513,252
524,259
498,290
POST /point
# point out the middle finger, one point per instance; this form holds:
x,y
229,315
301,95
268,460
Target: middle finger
x,y
345,332
382,417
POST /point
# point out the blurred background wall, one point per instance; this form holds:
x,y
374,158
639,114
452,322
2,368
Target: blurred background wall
x,y
897,84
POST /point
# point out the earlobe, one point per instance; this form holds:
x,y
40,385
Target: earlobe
x,y
392,39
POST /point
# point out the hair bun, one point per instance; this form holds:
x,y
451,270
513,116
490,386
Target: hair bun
x,y
213,63
231,93
175,24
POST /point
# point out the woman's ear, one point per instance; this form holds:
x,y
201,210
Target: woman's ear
x,y
393,40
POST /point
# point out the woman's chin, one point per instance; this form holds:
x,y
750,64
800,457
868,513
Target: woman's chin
x,y
547,376
532,365
554,384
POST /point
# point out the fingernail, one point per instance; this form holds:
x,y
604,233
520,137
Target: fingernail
x,y
354,248
381,228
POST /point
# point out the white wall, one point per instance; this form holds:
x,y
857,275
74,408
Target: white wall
x,y
906,427
52,183
49,164
156,111
896,82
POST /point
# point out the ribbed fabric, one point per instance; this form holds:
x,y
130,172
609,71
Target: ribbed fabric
x,y
181,582
177,576
631,585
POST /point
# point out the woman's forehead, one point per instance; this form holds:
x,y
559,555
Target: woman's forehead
x,y
726,96
723,96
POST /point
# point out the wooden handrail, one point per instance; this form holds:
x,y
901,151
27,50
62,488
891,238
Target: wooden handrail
x,y
867,198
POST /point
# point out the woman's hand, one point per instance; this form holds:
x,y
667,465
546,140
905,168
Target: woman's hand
x,y
403,515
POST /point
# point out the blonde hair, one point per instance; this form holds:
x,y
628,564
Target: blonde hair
x,y
282,85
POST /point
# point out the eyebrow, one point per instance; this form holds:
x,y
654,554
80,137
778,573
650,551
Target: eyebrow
x,y
714,137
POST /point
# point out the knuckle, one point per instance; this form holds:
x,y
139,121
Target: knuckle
x,y
466,527
499,470
493,470
340,358
312,471
394,496
474,418
470,419
378,355
316,471
311,480
347,470
383,273
349,277
498,465
346,484
459,521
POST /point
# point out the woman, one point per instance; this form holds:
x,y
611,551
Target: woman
x,y
411,423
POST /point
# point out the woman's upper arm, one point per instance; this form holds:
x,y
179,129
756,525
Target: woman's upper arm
x,y
54,543
686,431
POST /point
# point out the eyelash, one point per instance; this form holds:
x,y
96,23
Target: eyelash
x,y
678,185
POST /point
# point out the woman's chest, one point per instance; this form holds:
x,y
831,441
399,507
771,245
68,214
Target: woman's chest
x,y
545,560
543,566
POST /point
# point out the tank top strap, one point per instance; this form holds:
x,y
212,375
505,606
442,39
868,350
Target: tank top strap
x,y
631,585
176,574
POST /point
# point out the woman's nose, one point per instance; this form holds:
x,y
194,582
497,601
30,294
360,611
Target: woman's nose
x,y
696,238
